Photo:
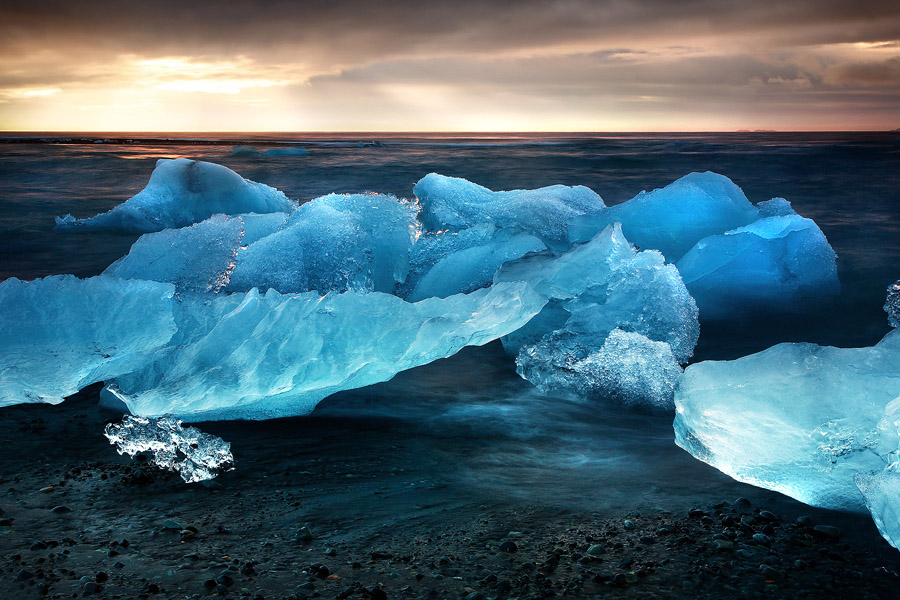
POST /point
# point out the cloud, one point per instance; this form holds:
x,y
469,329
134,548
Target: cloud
x,y
331,64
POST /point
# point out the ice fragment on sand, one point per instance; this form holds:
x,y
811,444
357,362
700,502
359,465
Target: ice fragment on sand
x,y
194,455
182,192
800,419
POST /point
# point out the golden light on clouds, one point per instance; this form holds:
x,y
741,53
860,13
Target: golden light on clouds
x,y
645,65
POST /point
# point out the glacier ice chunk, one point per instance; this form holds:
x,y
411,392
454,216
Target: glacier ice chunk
x,y
800,419
59,334
182,192
451,203
674,218
338,242
193,454
780,262
450,263
261,356
593,290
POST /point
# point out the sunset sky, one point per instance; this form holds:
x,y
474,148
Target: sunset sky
x,y
569,65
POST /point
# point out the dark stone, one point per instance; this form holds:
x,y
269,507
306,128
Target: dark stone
x,y
508,546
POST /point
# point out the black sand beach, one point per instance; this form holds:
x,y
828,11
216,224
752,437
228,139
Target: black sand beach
x,y
368,506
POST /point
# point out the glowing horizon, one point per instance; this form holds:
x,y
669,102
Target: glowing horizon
x,y
635,67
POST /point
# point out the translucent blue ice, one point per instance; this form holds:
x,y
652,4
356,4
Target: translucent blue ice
x,y
800,419
450,203
676,217
450,263
774,263
339,242
593,290
261,356
182,192
60,334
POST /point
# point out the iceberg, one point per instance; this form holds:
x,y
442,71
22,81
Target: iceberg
x,y
59,334
454,204
607,303
674,218
182,192
338,242
447,263
777,263
736,259
194,455
800,419
262,356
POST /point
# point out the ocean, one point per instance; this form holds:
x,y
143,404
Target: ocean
x,y
472,412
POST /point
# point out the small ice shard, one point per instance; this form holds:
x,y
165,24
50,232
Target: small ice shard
x,y
780,262
674,218
338,242
596,289
799,419
194,455
261,356
59,334
892,304
182,192
451,203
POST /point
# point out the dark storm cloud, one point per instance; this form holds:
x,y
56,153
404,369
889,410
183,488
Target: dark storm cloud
x,y
366,29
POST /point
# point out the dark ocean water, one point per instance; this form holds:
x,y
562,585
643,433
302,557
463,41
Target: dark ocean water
x,y
502,432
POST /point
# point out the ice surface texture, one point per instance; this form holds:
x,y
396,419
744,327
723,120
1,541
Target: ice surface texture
x,y
339,242
453,204
242,355
260,356
774,263
736,258
800,419
892,304
182,192
617,324
60,334
194,455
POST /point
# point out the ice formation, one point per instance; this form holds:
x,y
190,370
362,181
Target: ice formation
x,y
735,258
676,217
339,242
182,192
60,334
194,455
800,419
450,203
609,304
260,356
452,263
774,263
